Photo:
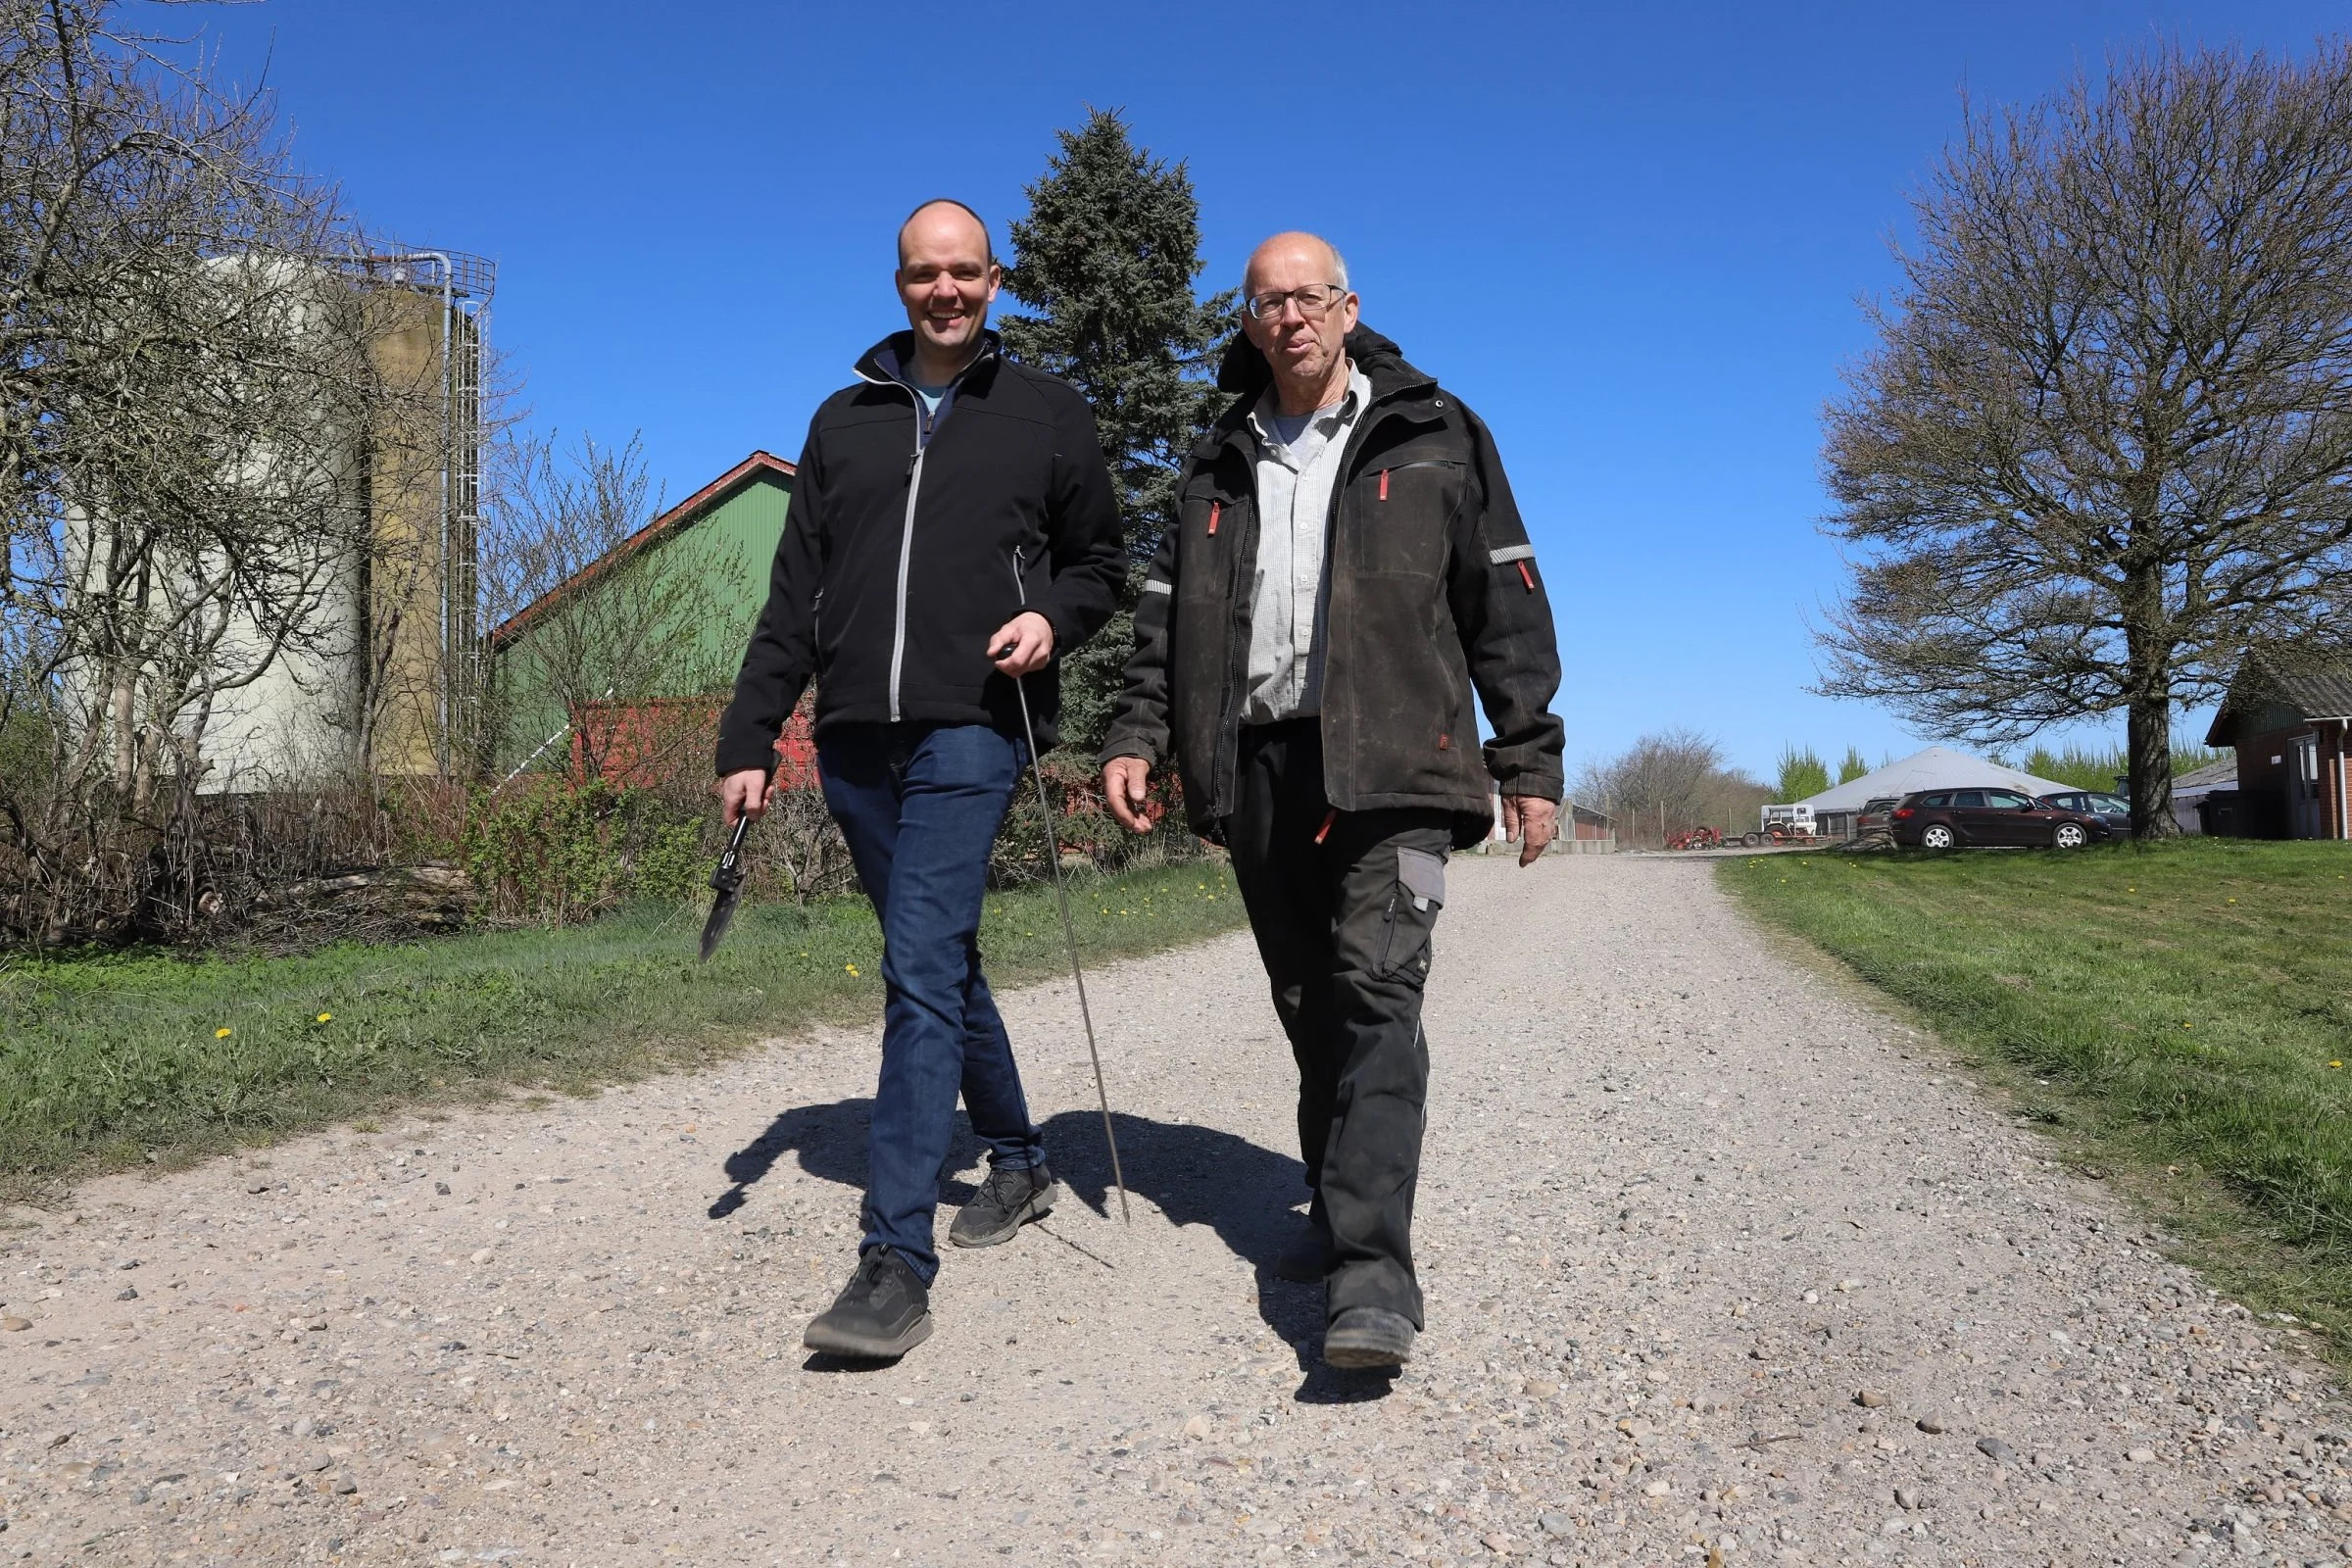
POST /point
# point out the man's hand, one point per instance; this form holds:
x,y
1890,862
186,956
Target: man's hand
x,y
1124,781
1531,820
1029,636
743,794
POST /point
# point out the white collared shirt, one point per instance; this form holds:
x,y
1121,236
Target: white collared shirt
x,y
1290,599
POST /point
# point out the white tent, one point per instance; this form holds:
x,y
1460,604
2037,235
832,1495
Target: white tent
x,y
1935,768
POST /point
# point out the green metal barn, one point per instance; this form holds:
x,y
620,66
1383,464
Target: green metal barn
x,y
716,546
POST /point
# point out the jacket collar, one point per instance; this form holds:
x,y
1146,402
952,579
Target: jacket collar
x,y
885,363
1243,370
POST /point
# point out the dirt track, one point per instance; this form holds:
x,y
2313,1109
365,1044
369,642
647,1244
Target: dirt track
x,y
1683,1205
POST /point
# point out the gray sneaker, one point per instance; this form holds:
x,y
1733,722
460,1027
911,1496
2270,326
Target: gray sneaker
x,y
881,1314
1369,1336
1007,1201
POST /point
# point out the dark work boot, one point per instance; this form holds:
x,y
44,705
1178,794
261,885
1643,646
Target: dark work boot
x,y
1306,1257
1369,1336
881,1314
1007,1201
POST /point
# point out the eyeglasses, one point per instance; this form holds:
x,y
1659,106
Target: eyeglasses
x,y
1314,301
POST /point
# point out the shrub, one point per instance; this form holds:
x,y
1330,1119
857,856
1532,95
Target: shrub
x,y
549,852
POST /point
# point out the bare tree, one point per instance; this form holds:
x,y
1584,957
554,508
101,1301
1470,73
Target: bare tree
x,y
612,660
184,382
2105,441
1667,782
589,615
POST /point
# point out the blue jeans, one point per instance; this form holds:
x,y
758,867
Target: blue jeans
x,y
920,806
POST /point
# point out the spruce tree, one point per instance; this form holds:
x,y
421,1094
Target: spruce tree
x,y
1103,264
1802,773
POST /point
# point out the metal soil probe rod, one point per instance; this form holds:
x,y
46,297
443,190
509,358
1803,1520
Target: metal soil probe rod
x,y
1069,931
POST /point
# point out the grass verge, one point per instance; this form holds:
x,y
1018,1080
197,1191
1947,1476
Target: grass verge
x,y
109,1058
2180,1011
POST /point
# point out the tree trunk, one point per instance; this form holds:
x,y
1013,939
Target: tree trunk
x,y
2148,732
2148,649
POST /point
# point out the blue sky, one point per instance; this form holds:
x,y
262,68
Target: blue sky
x,y
1632,236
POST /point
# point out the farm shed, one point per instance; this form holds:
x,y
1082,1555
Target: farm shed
x,y
2287,717
719,541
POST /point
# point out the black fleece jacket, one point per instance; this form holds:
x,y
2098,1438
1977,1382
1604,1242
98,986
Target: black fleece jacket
x,y
1436,602
900,552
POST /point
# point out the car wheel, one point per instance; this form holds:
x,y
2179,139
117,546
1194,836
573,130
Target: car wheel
x,y
2067,836
1937,836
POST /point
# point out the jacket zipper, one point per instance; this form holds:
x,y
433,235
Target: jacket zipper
x,y
1237,661
915,486
1366,421
1423,463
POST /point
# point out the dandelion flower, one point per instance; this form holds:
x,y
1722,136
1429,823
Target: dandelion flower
x,y
222,1034
2335,1064
326,1017
852,968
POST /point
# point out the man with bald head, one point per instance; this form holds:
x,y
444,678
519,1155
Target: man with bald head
x,y
952,532
1345,569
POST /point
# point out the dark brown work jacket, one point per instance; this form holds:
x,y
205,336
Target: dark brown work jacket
x,y
1433,598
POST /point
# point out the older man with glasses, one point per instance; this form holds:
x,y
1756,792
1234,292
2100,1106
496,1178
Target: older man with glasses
x,y
1348,567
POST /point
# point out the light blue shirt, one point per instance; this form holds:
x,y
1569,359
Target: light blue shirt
x,y
1298,466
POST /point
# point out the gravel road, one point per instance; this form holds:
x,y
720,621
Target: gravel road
x,y
1722,1268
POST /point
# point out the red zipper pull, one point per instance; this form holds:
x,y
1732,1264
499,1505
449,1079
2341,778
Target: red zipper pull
x,y
1384,484
1329,818
1214,508
1527,577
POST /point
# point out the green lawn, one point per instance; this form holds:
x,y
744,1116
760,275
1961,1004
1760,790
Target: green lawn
x,y
106,1058
2185,1008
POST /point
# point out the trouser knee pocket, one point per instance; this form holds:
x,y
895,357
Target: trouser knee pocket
x,y
1411,915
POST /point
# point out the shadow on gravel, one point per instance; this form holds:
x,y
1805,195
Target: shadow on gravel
x,y
826,1361
1195,1175
830,1141
1202,1176
1331,1384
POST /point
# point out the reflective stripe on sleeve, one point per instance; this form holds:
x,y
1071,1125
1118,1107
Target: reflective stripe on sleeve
x,y
1510,553
1152,585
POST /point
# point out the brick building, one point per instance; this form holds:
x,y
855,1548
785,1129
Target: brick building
x,y
2289,719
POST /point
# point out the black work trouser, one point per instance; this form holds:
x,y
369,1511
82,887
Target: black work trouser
x,y
1342,906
